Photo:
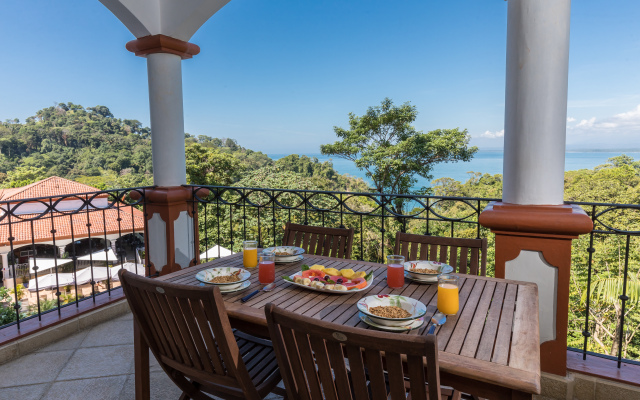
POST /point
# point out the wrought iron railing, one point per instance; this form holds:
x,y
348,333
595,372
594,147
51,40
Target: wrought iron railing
x,y
612,270
55,253
229,215
604,318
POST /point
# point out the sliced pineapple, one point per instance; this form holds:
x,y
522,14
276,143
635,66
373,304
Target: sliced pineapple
x,y
332,271
347,273
359,274
317,267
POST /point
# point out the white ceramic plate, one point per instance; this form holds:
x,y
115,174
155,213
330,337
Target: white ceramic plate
x,y
416,308
289,260
290,250
369,282
425,281
207,274
242,286
415,324
442,269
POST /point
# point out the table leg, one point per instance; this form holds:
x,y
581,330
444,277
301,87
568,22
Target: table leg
x,y
141,356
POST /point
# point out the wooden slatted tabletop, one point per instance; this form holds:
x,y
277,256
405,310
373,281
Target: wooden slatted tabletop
x,y
490,348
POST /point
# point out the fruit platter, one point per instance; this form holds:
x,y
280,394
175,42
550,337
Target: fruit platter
x,y
331,280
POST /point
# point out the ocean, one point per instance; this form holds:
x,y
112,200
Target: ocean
x,y
489,162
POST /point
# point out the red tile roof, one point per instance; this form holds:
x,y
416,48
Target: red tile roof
x,y
21,229
52,186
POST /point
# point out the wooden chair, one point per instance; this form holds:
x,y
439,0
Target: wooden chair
x,y
315,240
188,331
311,355
444,249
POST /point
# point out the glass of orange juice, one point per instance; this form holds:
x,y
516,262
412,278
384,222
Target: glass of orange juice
x,y
448,301
250,253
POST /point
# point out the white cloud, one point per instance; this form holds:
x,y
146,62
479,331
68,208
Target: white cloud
x,y
586,123
571,119
622,123
493,135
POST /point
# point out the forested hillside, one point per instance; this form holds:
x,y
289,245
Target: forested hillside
x,y
92,146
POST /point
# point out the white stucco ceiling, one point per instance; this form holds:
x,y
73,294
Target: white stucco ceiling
x,y
179,19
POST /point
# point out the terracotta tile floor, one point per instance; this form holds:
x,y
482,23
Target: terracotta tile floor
x,y
94,364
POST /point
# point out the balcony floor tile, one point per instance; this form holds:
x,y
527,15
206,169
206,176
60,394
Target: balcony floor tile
x,y
34,368
110,333
108,388
70,343
29,392
94,362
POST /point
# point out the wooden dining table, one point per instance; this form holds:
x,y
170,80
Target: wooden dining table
x,y
490,348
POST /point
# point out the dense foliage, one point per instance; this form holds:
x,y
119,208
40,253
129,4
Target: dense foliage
x,y
384,144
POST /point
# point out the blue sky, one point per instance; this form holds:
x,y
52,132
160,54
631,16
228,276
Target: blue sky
x,y
278,75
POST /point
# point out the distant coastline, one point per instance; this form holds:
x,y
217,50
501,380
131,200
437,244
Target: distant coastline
x,y
485,162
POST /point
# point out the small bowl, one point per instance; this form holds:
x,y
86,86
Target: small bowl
x,y
413,306
207,274
440,267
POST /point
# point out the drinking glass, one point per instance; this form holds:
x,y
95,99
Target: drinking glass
x,y
250,253
267,268
448,299
395,271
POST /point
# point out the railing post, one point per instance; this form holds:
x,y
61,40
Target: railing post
x,y
172,229
533,244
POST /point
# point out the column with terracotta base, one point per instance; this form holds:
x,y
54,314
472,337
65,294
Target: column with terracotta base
x,y
171,239
534,229
533,244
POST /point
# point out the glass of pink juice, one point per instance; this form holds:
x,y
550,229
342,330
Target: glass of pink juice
x,y
267,268
395,271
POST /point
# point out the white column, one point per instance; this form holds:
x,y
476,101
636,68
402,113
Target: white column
x,y
167,119
5,265
536,101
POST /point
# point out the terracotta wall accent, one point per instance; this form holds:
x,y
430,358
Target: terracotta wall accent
x,y
549,230
162,44
169,202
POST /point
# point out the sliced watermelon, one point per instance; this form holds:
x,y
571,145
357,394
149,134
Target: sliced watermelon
x,y
312,273
360,283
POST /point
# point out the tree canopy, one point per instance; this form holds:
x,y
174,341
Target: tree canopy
x,y
383,143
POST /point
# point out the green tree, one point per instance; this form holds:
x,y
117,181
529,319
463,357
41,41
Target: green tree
x,y
208,166
383,143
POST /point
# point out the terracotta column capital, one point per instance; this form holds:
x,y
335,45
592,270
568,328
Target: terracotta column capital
x,y
162,44
565,220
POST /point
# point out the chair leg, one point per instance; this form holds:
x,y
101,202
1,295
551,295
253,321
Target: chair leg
x,y
184,396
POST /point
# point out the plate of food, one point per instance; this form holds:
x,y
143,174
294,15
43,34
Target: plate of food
x,y
410,325
286,253
427,271
331,280
391,310
226,278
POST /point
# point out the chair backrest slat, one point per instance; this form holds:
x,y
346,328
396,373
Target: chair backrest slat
x,y
188,331
311,355
358,374
396,375
475,259
462,265
308,364
336,357
332,242
373,361
325,372
445,249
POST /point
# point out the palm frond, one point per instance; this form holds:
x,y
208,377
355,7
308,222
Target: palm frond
x,y
609,290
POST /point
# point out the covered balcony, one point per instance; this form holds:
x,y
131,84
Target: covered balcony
x,y
74,337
